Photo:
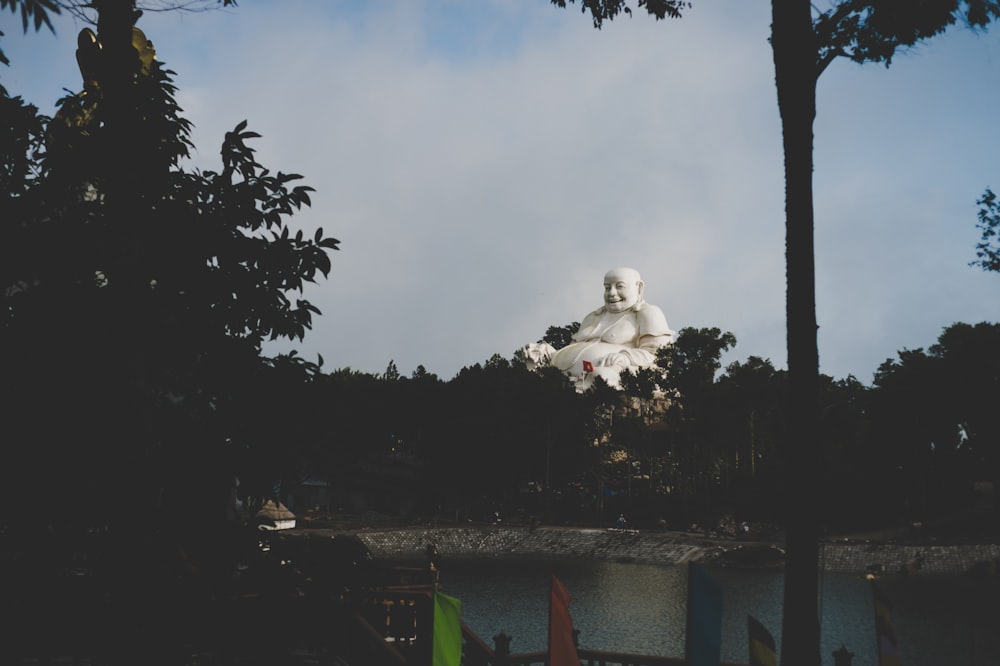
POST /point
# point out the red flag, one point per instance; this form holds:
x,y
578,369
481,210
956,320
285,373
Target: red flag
x,y
588,366
562,651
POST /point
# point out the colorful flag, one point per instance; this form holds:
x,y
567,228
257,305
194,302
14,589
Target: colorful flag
x,y
588,366
762,651
704,618
562,650
888,650
447,641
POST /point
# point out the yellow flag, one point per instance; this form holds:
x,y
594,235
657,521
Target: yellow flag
x,y
761,644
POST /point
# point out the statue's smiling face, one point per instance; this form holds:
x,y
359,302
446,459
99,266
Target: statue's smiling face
x,y
621,290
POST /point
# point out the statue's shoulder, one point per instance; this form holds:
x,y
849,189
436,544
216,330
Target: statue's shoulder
x,y
652,321
593,315
589,323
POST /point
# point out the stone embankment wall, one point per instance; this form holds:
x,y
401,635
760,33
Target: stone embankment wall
x,y
669,548
915,559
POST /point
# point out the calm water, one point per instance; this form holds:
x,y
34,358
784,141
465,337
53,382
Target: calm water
x,y
637,608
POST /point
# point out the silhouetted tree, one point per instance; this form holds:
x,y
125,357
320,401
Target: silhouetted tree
x,y
690,364
752,423
506,426
988,247
560,336
844,453
39,13
934,423
863,31
135,299
35,12
695,357
391,372
355,427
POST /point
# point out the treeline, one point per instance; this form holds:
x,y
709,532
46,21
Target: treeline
x,y
689,442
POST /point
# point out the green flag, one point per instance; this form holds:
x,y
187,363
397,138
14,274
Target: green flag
x,y
447,631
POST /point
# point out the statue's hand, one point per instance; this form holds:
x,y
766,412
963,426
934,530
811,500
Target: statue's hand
x,y
537,354
616,360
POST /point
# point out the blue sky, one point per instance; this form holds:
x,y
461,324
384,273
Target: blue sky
x,y
484,164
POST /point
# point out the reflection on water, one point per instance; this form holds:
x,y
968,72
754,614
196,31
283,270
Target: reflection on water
x,y
640,609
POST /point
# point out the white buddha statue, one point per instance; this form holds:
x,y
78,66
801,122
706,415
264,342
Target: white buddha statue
x,y
623,334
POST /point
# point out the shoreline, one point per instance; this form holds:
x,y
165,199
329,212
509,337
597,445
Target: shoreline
x,y
845,554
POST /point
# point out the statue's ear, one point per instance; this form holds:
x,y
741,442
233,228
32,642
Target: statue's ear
x,y
641,285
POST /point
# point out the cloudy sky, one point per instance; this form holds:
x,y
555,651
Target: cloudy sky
x,y
485,163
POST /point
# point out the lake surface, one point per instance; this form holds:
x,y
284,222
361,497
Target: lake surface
x,y
641,608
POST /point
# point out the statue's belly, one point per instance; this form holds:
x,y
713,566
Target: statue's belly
x,y
571,357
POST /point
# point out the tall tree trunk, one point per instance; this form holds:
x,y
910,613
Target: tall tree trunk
x,y
123,176
795,55
119,106
121,163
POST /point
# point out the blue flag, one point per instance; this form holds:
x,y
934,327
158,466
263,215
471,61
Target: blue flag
x,y
704,618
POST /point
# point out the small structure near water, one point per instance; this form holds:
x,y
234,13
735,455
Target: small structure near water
x,y
274,516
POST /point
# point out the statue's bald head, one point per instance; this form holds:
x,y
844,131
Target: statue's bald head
x,y
622,289
623,273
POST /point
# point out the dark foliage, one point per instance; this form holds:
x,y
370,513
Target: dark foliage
x,y
934,428
607,10
560,336
135,297
988,247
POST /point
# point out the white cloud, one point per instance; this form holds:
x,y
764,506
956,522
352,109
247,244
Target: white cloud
x,y
484,164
